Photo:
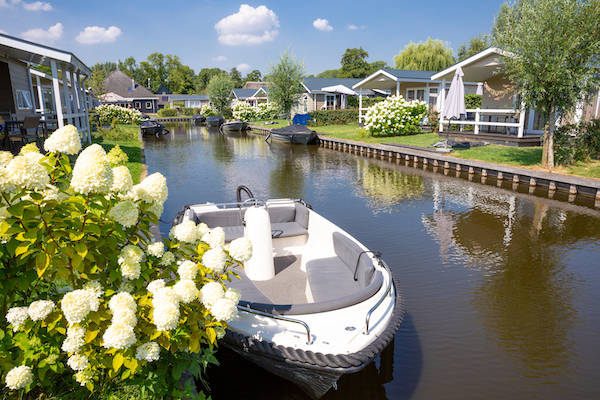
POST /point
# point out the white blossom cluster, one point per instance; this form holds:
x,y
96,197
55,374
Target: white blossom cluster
x,y
153,189
214,259
77,304
120,334
17,316
394,115
24,172
149,351
77,362
92,172
215,238
129,260
19,377
186,231
64,140
240,249
221,304
122,181
167,259
156,249
74,340
125,212
165,304
39,310
107,112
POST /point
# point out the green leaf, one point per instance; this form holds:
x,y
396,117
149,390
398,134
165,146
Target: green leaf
x,y
75,236
22,249
117,361
212,335
42,261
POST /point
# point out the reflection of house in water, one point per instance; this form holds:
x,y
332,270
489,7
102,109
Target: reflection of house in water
x,y
386,187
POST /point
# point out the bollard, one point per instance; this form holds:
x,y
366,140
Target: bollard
x,y
425,161
573,189
458,168
552,186
446,165
484,172
532,182
500,176
516,178
436,163
471,170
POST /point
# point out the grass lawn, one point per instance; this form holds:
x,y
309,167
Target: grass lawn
x,y
354,132
279,123
125,136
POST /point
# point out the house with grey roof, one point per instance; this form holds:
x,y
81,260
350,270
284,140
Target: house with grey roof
x,y
124,91
188,100
251,96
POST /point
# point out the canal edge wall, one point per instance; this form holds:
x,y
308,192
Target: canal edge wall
x,y
574,185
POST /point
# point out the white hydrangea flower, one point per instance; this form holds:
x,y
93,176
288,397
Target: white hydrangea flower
x,y
185,231
19,377
126,286
26,172
149,351
130,270
224,310
38,310
83,377
202,229
5,157
131,254
17,316
233,295
77,304
156,249
125,213
122,302
75,339
211,293
118,336
64,140
156,285
92,172
215,238
166,316
77,362
5,183
95,288
156,209
124,317
187,270
167,259
152,189
164,295
241,249
186,290
122,181
214,259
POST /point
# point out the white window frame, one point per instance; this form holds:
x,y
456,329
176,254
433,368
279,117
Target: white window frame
x,y
23,99
148,104
327,96
137,104
415,90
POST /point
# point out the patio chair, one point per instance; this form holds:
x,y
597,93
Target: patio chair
x,y
22,136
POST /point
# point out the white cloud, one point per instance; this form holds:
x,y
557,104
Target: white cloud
x,y
48,36
98,34
6,3
248,26
4,32
322,25
220,58
353,27
37,6
243,67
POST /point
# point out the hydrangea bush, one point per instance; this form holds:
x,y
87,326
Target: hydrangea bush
x,y
207,110
87,293
266,111
108,112
395,116
244,111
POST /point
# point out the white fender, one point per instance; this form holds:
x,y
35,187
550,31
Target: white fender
x,y
258,229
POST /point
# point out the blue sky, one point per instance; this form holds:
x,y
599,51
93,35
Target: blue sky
x,y
188,28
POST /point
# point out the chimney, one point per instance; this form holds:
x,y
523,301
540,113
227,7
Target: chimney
x,y
132,84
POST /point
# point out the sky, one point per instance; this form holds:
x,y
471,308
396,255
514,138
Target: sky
x,y
244,34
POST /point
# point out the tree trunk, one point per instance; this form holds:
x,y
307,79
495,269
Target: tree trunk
x,y
545,146
548,146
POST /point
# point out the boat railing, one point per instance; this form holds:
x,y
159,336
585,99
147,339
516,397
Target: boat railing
x,y
279,317
388,290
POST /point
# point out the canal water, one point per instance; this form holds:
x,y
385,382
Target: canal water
x,y
502,289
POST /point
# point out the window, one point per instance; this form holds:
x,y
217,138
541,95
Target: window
x,y
420,94
137,104
148,105
305,103
410,94
24,100
330,101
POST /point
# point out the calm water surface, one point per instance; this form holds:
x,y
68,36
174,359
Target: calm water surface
x,y
502,289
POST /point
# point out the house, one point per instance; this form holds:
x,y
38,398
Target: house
x,y
124,91
162,89
59,97
250,96
501,110
315,98
412,85
188,100
255,85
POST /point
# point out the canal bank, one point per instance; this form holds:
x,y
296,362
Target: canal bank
x,y
423,157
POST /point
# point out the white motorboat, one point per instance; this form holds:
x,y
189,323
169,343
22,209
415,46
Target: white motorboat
x,y
316,304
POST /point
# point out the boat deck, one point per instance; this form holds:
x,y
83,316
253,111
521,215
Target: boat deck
x,y
289,284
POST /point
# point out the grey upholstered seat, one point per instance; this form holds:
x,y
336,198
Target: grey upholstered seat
x,y
329,279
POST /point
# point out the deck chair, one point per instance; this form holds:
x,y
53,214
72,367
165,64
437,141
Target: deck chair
x,y
25,135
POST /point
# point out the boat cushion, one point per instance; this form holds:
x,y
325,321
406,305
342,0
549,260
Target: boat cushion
x,y
250,293
349,252
233,232
287,229
223,218
329,278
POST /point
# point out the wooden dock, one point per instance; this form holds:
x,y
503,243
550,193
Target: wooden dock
x,y
167,120
424,158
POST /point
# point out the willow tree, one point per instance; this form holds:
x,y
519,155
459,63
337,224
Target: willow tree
x,y
552,56
285,82
432,55
219,91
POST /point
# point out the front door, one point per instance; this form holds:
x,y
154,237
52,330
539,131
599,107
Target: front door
x,y
7,102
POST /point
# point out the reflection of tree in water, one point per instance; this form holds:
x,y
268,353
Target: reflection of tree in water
x,y
222,152
386,187
526,297
287,176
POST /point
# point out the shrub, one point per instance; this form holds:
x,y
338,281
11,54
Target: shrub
x,y
189,111
86,293
106,113
367,102
266,111
207,111
395,116
227,113
167,112
577,142
244,111
333,117
472,101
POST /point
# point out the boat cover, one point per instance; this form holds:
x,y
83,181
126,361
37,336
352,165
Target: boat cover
x,y
293,129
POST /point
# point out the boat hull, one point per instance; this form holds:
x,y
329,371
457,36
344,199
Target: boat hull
x,y
154,129
214,122
295,138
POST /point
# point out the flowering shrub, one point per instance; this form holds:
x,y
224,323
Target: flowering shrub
x,y
207,110
87,293
244,111
395,116
108,112
266,111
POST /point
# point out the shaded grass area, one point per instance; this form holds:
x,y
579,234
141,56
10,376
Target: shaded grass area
x,y
354,132
279,123
126,136
510,155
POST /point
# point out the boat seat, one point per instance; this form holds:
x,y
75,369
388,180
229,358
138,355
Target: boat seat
x,y
329,279
233,232
287,229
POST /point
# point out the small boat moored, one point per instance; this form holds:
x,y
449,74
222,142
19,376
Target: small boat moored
x,y
315,303
214,121
294,134
234,126
152,127
199,119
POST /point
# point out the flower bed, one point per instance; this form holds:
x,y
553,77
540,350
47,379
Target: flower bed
x,y
86,293
395,116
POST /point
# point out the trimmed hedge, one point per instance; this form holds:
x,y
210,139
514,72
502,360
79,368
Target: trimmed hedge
x,y
367,101
577,142
472,101
167,112
333,117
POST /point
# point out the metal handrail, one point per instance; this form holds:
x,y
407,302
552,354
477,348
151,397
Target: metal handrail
x,y
377,255
264,314
387,291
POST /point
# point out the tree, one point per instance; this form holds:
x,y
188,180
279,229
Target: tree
x,y
330,73
130,67
354,64
253,76
285,82
180,77
236,77
99,72
552,53
204,77
432,55
475,45
219,91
